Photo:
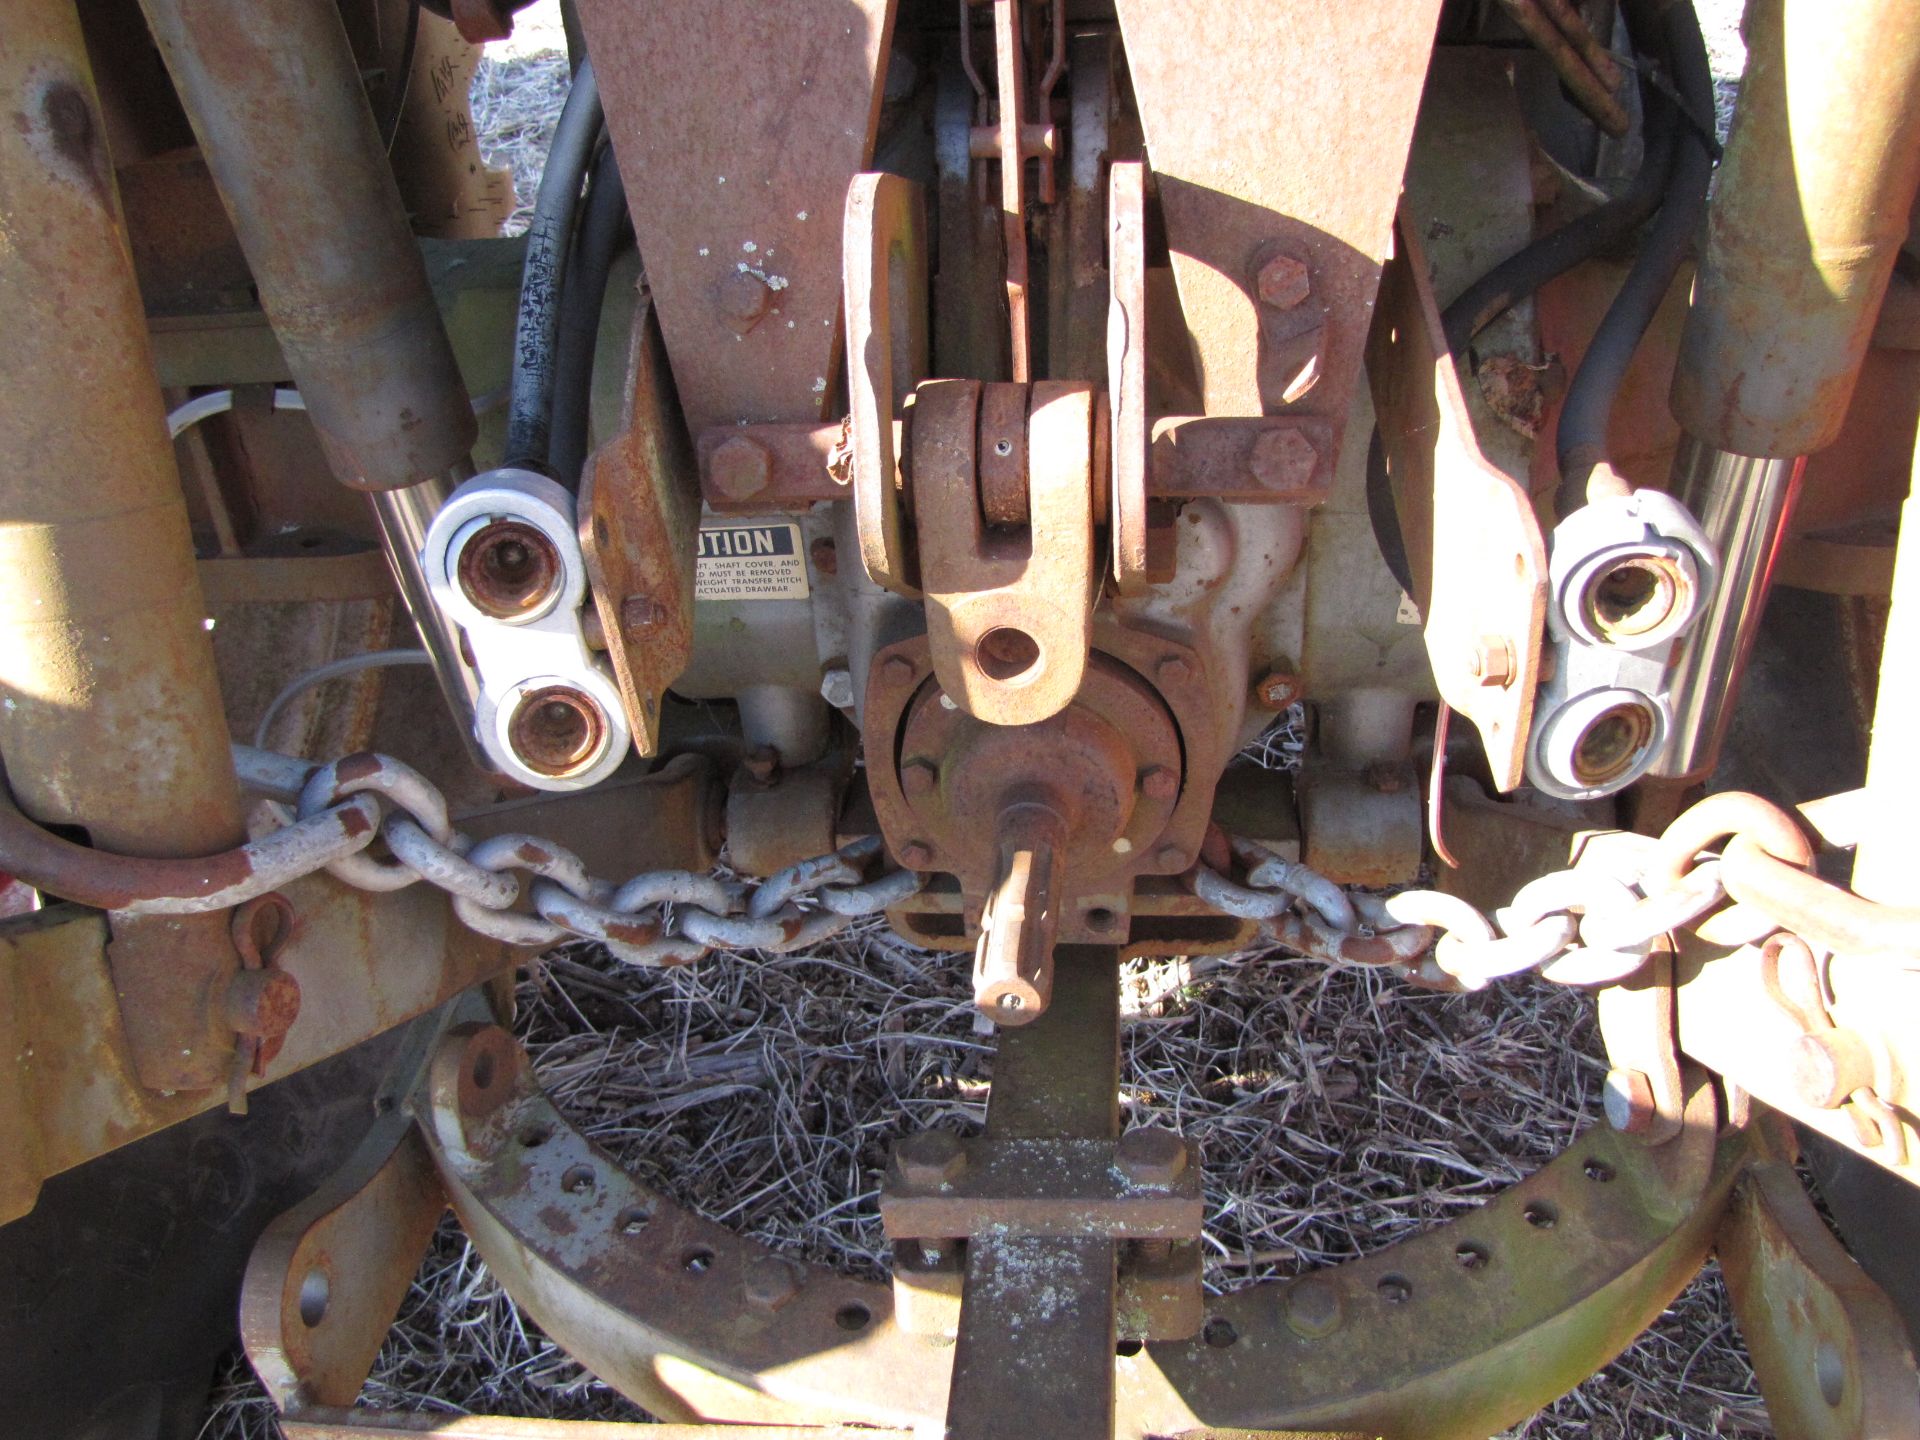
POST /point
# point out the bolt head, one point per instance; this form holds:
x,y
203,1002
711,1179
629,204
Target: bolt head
x,y
770,1282
1173,671
931,1158
825,556
1313,1308
916,856
1282,458
744,301
918,777
1157,782
1151,1157
1628,1097
641,612
898,669
739,468
1284,282
1278,689
1492,660
1170,857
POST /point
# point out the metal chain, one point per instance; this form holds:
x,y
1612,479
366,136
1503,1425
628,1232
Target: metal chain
x,y
1580,926
662,917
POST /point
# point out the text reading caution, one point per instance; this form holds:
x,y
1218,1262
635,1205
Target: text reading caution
x,y
750,562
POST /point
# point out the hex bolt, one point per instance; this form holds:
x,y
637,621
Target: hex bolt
x,y
1150,1156
1628,1100
1313,1309
1278,689
1492,660
1283,282
1282,458
1171,857
641,612
1829,1065
898,669
919,776
740,468
1157,782
836,687
744,300
915,855
1173,671
930,1159
770,1282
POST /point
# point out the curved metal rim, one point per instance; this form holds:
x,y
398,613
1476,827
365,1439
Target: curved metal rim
x,y
694,1322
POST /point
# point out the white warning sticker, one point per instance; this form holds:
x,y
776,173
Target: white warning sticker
x,y
754,561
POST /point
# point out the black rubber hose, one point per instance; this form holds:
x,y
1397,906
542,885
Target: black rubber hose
x,y
604,232
1581,442
549,239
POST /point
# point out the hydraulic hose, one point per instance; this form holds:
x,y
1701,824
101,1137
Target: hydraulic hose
x,y
549,240
1581,441
604,232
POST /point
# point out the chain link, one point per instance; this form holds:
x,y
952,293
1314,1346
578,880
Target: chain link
x,y
662,917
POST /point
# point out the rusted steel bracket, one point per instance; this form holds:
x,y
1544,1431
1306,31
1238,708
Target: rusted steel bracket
x,y
326,1279
1424,1338
1009,611
738,127
639,513
1828,1346
1473,541
1277,257
71,1082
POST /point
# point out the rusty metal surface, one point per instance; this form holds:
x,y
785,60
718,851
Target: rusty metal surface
x,y
1278,461
738,127
1113,760
1239,194
754,469
72,1082
884,267
1570,48
639,511
691,1321
277,102
113,719
287,580
1473,541
1127,375
1009,613
1828,1346
1808,213
622,1278
326,1279
185,253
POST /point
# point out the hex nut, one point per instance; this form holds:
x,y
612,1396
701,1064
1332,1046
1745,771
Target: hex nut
x,y
770,1282
1282,458
1283,282
744,300
836,687
929,1159
739,468
641,612
1157,782
915,855
1149,1156
919,776
1278,689
1628,1100
1313,1308
1173,671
